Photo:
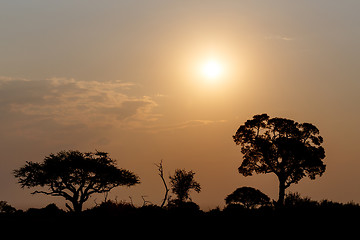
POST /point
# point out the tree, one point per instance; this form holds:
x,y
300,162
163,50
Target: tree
x,y
75,176
161,174
281,146
181,184
248,197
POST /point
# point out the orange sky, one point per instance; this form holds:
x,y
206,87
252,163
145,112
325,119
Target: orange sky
x,y
125,77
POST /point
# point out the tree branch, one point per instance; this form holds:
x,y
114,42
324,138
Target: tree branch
x,y
69,207
46,193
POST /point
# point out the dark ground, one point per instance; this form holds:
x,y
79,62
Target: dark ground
x,y
307,219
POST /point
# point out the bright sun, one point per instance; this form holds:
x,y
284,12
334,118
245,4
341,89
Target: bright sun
x,y
212,70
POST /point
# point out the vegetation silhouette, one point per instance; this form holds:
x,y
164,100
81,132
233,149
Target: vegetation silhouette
x,y
281,146
181,183
296,213
6,208
51,210
75,176
248,197
289,149
161,174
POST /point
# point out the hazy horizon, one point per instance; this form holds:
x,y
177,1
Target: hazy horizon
x,y
127,77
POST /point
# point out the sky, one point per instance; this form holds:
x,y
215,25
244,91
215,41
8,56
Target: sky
x,y
127,77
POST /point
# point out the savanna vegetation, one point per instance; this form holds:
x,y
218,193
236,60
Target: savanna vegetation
x,y
280,146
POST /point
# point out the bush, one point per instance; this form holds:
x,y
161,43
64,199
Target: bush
x,y
182,208
248,197
6,208
111,208
48,211
294,200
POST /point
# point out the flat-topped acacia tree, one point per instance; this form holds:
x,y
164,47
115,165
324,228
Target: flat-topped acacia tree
x,y
75,176
281,146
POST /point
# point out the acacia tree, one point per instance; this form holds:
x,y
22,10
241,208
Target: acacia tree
x,y
181,184
75,176
248,197
281,146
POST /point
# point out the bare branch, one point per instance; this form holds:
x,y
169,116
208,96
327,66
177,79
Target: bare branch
x,y
46,193
145,201
161,174
131,201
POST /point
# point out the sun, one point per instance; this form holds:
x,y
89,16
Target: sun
x,y
212,70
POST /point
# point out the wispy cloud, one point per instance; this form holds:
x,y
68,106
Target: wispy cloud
x,y
182,125
69,101
279,37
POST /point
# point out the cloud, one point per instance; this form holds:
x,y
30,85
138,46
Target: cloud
x,y
57,107
182,125
70,102
279,37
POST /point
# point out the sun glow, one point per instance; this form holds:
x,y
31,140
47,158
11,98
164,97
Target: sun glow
x,y
212,70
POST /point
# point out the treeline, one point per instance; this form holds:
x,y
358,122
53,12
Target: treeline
x,y
294,205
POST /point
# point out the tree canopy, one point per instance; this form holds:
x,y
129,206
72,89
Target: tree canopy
x,y
75,176
289,149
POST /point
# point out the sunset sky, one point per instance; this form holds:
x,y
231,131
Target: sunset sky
x,y
173,80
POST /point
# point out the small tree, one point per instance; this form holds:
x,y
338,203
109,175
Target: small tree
x,y
281,146
75,176
181,184
248,197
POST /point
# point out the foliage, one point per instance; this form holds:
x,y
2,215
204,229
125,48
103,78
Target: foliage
x,y
297,210
289,149
111,208
49,211
181,184
6,208
294,200
75,176
248,197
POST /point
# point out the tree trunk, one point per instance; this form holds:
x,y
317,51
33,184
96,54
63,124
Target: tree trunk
x,y
282,188
165,197
77,206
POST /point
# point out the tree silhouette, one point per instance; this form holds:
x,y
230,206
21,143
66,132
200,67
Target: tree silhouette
x,y
181,184
248,197
282,146
161,174
75,176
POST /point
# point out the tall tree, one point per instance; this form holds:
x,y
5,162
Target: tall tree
x,y
281,146
75,176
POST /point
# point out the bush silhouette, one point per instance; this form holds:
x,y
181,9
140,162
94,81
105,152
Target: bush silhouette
x,y
111,208
248,197
51,210
6,208
294,200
